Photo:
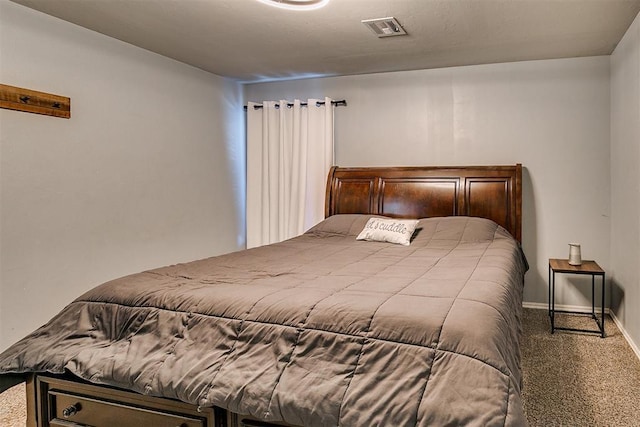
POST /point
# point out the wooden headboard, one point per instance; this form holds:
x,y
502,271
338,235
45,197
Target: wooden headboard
x,y
493,192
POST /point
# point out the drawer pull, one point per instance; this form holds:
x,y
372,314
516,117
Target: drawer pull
x,y
70,411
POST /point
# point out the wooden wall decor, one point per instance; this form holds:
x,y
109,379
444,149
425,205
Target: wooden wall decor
x,y
31,101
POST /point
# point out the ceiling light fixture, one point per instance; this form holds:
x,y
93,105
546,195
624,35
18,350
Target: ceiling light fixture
x,y
296,4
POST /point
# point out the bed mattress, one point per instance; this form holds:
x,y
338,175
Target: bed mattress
x,y
319,330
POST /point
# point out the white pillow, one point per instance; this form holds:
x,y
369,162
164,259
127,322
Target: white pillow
x,y
388,230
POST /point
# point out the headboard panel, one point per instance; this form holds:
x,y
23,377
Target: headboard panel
x,y
493,192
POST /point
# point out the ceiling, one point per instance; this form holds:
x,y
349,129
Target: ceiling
x,y
249,41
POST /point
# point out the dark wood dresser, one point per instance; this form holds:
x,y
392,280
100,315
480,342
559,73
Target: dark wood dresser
x,y
65,402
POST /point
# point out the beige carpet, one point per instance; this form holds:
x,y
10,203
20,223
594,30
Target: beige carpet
x,y
569,379
573,379
13,411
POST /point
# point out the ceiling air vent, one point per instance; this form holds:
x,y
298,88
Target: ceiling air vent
x,y
385,27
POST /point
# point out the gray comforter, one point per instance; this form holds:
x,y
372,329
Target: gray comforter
x,y
319,330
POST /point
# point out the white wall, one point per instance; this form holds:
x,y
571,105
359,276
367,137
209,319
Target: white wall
x,y
625,180
551,116
148,171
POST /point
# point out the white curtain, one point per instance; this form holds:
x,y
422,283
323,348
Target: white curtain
x,y
289,154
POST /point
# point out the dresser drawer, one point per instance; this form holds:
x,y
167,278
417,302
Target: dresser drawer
x,y
70,408
64,403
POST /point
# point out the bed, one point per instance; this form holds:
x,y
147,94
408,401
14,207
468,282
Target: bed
x,y
319,330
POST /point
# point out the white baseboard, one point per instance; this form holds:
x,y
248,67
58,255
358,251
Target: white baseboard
x,y
633,345
585,309
578,308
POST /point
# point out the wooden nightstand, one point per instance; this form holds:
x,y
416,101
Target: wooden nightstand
x,y
587,267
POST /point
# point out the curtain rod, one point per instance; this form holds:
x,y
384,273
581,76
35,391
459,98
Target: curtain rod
x,y
304,104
